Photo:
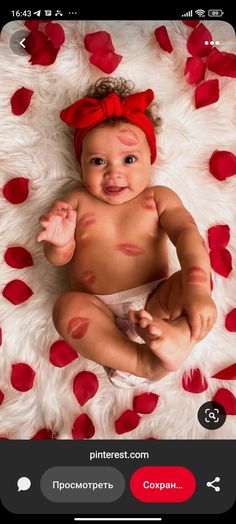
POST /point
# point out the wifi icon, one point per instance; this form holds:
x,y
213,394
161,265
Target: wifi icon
x,y
200,13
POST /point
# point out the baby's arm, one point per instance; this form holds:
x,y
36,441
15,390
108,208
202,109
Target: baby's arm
x,y
59,226
194,260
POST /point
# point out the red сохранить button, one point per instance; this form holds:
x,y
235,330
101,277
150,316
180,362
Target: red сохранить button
x,y
162,484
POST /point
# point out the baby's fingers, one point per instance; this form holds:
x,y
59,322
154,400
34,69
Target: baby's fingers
x,y
41,236
71,215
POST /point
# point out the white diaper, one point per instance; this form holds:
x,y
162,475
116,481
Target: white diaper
x,y
120,303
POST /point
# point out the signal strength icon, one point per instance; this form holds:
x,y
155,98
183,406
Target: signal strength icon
x,y
200,12
188,14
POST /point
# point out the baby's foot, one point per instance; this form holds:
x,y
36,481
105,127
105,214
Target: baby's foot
x,y
144,325
168,340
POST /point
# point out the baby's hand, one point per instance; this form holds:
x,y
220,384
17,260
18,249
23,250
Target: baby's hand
x,y
59,224
201,311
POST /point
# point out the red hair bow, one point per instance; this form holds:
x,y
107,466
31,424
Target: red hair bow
x,y
89,112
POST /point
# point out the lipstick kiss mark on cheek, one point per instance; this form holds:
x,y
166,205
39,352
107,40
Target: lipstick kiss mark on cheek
x,y
130,249
196,275
128,138
77,327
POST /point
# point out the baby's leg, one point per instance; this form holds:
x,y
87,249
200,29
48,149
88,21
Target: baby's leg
x,y
163,326
88,326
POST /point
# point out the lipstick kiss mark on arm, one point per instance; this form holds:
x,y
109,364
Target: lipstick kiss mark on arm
x,y
130,249
77,327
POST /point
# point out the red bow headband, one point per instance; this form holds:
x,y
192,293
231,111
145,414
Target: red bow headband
x,y
89,112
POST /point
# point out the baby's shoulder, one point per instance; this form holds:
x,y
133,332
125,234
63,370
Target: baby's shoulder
x,y
165,198
74,197
163,192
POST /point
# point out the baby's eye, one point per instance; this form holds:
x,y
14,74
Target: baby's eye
x,y
130,159
97,161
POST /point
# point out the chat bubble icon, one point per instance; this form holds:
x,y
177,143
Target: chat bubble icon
x,y
23,484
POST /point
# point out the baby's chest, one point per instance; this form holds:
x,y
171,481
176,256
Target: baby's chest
x,y
113,223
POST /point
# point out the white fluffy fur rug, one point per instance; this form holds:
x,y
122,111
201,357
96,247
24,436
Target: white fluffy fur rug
x,y
38,146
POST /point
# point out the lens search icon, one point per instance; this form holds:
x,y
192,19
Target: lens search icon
x,y
23,484
211,415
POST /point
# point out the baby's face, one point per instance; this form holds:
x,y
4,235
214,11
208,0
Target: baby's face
x,y
115,162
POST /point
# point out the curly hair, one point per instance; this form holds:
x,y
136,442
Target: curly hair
x,y
122,88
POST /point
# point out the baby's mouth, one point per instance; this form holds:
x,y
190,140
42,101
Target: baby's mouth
x,y
114,190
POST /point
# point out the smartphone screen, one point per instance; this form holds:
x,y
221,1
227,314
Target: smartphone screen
x,y
117,310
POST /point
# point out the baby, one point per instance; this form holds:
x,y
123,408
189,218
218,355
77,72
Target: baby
x,y
124,311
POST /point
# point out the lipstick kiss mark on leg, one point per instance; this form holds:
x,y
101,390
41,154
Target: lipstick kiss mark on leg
x,y
89,277
196,275
77,327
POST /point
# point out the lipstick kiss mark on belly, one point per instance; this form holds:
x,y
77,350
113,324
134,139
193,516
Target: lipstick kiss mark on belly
x,y
77,327
130,249
89,277
196,275
87,220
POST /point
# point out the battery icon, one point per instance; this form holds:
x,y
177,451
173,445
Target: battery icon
x,y
215,13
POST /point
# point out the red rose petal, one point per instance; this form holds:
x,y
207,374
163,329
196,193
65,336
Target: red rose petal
x,y
230,320
227,400
193,381
32,25
206,93
98,41
196,41
17,292
22,377
85,386
34,41
16,190
18,257
43,434
218,236
127,421
228,373
195,70
20,101
61,354
55,33
221,261
222,164
145,403
1,397
45,56
191,23
163,39
107,61
0,336
83,428
222,63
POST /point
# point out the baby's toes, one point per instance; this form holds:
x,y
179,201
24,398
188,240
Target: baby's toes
x,y
154,330
144,322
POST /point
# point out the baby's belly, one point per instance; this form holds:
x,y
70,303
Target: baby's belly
x,y
103,271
